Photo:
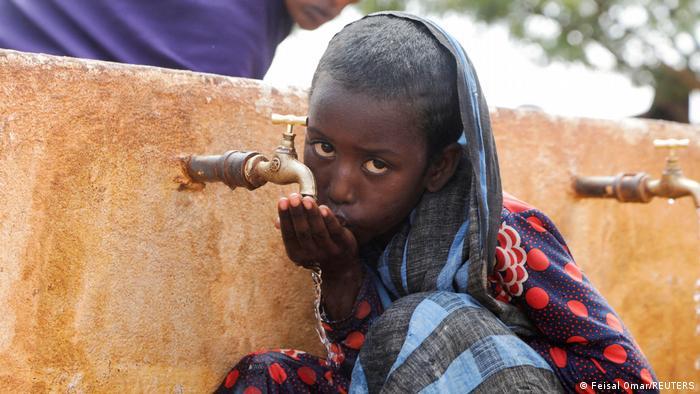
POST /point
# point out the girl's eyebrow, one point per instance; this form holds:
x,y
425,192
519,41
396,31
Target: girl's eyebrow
x,y
315,131
368,151
380,152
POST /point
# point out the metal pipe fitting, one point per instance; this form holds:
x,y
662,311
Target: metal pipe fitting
x,y
227,168
623,187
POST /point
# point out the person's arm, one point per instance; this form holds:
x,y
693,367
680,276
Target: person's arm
x,y
339,290
313,237
582,338
347,333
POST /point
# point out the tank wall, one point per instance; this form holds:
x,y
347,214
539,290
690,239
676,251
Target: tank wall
x,y
110,276
644,258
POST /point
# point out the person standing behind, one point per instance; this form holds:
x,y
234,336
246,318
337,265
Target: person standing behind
x,y
228,37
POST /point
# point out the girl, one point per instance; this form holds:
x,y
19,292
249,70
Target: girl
x,y
433,280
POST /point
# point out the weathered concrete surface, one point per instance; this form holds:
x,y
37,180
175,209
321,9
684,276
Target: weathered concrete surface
x,y
112,279
644,258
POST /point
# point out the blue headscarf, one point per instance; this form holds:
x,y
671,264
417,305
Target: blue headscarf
x,y
449,242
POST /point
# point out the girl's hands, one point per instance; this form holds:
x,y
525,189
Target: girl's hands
x,y
313,236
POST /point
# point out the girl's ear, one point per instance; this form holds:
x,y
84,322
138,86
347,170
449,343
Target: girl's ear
x,y
443,167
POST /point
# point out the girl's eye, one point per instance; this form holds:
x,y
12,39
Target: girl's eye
x,y
375,166
324,149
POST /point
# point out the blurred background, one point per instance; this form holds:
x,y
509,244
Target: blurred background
x,y
582,58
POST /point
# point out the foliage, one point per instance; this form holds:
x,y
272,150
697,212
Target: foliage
x,y
655,42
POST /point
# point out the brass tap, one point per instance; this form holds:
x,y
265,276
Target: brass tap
x,y
639,187
672,183
251,169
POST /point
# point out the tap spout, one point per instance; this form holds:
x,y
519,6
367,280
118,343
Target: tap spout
x,y
283,169
675,186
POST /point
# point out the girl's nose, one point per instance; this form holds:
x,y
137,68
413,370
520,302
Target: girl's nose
x,y
341,190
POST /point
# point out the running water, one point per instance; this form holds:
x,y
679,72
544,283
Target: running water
x,y
332,356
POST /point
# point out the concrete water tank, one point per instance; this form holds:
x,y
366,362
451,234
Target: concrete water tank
x,y
112,279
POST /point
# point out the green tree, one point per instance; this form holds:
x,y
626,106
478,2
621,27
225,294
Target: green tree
x,y
654,42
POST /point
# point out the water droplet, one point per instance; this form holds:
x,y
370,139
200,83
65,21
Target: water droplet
x,y
671,201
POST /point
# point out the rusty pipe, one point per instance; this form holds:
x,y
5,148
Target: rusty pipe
x,y
227,168
624,187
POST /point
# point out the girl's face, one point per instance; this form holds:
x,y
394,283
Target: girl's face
x,y
368,158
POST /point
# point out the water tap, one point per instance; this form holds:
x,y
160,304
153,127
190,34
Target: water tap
x,y
639,187
250,169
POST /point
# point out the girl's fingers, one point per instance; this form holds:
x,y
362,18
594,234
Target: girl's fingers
x,y
319,232
300,222
287,228
340,235
312,234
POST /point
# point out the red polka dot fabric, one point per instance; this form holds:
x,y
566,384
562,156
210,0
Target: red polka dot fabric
x,y
581,337
294,371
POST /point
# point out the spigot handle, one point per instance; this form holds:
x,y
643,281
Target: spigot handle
x,y
289,119
671,143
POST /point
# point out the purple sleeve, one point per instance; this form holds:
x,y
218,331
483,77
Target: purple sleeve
x,y
233,37
582,338
348,335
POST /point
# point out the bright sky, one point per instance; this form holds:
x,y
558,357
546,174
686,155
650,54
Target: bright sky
x,y
508,72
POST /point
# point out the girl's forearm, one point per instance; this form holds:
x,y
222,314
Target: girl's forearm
x,y
339,291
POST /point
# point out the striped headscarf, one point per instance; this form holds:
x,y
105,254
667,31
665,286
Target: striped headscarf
x,y
442,330
450,239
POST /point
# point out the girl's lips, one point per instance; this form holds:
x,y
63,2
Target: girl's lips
x,y
341,218
339,214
